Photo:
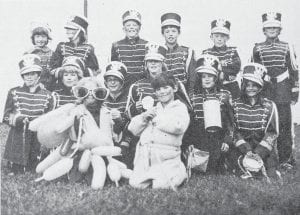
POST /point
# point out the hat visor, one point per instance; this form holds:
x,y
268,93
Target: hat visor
x,y
71,25
29,69
208,70
154,56
170,22
254,79
132,19
220,30
114,73
270,24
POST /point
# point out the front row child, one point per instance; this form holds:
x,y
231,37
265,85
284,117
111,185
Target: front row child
x,y
256,126
157,159
69,75
212,124
23,104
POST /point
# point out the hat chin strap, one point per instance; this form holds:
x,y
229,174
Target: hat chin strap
x,y
76,35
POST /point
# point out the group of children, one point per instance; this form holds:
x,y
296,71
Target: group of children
x,y
170,113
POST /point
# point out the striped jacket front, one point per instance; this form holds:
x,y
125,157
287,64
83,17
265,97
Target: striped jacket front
x,y
229,58
84,51
278,57
131,52
255,124
180,61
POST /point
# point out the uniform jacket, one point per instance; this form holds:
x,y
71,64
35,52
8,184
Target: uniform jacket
x,y
256,126
137,92
84,51
63,96
45,54
278,57
22,104
230,58
199,136
118,103
180,61
131,52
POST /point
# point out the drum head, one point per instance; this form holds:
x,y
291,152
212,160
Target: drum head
x,y
252,164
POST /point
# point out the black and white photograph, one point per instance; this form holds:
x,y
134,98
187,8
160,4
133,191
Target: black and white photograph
x,y
150,107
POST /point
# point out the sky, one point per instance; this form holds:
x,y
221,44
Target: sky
x,y
105,26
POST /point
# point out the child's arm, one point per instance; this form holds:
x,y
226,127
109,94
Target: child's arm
x,y
175,122
233,66
92,61
265,146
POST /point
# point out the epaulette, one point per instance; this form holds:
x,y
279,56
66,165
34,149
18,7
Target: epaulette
x,y
267,102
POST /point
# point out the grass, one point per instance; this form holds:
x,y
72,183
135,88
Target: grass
x,y
201,195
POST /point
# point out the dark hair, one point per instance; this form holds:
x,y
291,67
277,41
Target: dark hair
x,y
169,26
243,89
82,37
198,83
162,80
39,31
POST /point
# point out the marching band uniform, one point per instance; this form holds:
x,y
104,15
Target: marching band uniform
x,y
118,70
131,52
198,135
228,57
22,106
180,59
83,50
283,87
256,126
45,53
64,94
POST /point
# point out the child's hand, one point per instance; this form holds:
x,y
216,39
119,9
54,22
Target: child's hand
x,y
149,114
224,147
115,114
139,106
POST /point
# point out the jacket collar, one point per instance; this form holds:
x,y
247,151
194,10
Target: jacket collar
x,y
132,41
26,89
223,48
272,40
173,48
44,49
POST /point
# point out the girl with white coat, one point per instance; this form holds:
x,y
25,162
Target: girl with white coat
x,y
161,128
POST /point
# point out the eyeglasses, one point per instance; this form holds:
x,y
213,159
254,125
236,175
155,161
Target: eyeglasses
x,y
82,92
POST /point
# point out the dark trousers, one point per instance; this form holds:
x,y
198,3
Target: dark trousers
x,y
284,141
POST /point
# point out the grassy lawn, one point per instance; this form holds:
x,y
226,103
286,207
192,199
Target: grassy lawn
x,y
201,195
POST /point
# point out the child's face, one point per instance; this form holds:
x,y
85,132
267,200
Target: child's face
x,y
219,39
171,34
272,32
131,29
40,40
154,67
252,89
114,84
31,79
70,79
71,33
165,94
208,80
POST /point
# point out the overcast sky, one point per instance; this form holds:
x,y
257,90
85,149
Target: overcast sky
x,y
106,27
